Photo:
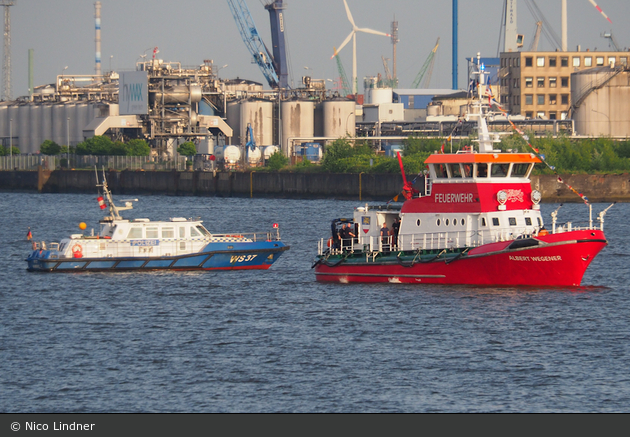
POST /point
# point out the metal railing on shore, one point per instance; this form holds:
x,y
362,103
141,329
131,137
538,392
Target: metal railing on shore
x,y
87,162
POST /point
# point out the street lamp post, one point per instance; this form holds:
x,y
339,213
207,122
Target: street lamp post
x,y
11,143
68,141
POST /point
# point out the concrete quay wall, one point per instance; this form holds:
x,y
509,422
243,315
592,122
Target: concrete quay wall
x,y
598,188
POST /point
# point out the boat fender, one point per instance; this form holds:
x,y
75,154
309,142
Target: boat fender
x,y
77,251
107,238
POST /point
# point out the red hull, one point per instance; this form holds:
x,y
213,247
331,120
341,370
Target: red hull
x,y
562,262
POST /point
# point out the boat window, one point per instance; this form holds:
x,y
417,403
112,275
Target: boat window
x,y
499,170
495,221
418,222
152,232
463,222
512,221
455,170
440,171
539,221
519,170
168,232
194,232
182,232
62,246
203,231
454,222
135,232
482,170
182,245
528,221
467,170
438,222
483,221
447,222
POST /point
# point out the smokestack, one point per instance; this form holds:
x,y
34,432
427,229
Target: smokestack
x,y
97,39
565,37
454,44
30,72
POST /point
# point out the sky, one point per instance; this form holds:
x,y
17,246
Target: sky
x,y
61,33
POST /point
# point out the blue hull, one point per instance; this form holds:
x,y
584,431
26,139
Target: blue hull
x,y
256,256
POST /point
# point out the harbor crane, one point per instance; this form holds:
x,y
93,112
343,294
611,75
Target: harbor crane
x,y
426,68
534,45
273,67
612,39
344,84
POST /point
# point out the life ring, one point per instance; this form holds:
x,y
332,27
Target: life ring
x,y
329,242
77,251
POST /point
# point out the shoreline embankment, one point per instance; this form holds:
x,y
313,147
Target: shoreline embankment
x,y
362,186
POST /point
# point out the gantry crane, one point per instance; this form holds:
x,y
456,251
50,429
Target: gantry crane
x,y
345,85
274,68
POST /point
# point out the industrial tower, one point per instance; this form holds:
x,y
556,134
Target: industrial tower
x,y
6,64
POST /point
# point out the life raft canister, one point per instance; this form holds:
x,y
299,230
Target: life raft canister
x,y
101,202
77,251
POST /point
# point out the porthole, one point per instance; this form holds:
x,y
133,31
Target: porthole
x,y
463,222
418,222
454,222
447,222
438,222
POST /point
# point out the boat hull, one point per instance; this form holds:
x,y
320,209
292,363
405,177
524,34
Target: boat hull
x,y
248,259
555,260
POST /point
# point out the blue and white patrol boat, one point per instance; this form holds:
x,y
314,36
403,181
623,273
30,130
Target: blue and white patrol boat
x,y
143,244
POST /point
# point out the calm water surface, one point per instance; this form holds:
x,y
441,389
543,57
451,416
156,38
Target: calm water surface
x,y
277,341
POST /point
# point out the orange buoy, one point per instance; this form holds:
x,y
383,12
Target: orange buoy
x,y
77,251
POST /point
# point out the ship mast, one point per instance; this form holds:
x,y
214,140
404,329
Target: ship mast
x,y
477,109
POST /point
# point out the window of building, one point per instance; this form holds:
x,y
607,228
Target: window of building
x,y
540,99
529,99
518,62
564,61
564,82
564,115
599,61
553,99
518,100
502,62
553,115
540,61
623,61
510,62
541,115
529,82
588,61
564,99
529,114
517,83
553,82
529,61
540,82
576,61
612,60
552,61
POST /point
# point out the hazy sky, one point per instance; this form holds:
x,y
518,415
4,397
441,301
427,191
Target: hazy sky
x,y
61,32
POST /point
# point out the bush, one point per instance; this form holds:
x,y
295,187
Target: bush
x,y
49,147
187,149
277,161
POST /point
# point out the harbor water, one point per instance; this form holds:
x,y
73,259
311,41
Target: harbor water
x,y
278,341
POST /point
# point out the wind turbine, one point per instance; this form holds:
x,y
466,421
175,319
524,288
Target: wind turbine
x,y
353,36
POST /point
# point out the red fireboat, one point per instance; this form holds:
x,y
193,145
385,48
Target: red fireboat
x,y
476,220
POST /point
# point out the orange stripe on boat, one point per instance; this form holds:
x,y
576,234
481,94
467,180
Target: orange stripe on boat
x,y
467,158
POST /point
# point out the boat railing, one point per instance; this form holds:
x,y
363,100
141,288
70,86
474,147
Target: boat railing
x,y
250,236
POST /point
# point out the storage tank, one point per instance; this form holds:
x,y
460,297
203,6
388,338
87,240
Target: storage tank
x,y
177,94
380,95
298,121
81,112
253,156
339,118
59,124
24,131
231,155
233,119
434,110
206,146
605,111
47,123
71,120
218,152
35,123
268,151
258,113
4,119
12,126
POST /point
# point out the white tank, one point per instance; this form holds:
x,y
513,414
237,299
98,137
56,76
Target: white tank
x,y
81,112
12,126
24,130
71,123
380,95
298,121
4,120
218,152
35,123
47,123
268,151
233,119
206,146
434,110
59,124
339,118
258,113
231,154
253,156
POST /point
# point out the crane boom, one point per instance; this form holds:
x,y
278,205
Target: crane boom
x,y
345,86
253,41
276,17
427,66
534,46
